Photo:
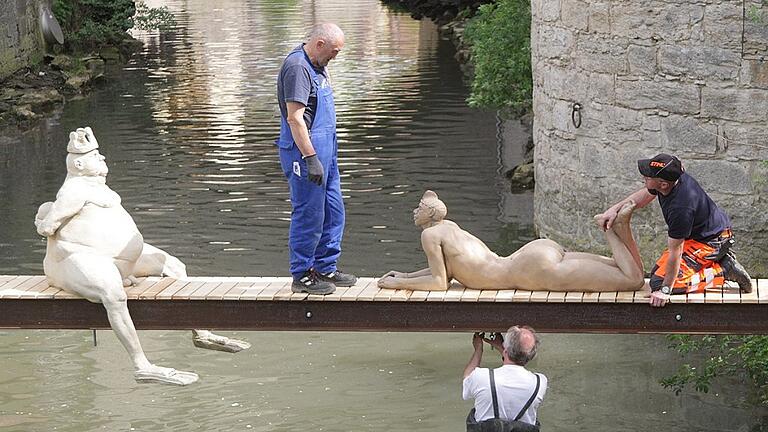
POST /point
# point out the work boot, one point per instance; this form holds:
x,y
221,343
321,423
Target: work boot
x,y
338,278
310,283
734,271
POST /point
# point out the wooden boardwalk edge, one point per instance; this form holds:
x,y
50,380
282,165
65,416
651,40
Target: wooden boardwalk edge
x,y
267,303
279,315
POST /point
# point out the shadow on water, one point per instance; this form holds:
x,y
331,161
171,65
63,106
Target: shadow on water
x,y
187,128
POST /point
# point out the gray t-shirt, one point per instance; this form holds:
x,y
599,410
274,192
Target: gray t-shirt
x,y
294,84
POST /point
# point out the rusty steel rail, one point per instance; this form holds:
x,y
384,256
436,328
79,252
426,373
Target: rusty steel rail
x,y
736,318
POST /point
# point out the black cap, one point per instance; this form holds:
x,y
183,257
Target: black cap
x,y
663,166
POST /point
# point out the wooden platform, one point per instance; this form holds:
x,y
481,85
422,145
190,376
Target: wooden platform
x,y
267,303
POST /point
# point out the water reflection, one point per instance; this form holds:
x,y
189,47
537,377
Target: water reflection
x,y
188,129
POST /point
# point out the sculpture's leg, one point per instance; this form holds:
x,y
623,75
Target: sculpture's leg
x,y
208,340
156,262
97,279
623,229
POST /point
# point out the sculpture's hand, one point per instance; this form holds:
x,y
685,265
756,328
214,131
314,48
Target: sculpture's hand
x,y
396,274
47,228
314,169
387,282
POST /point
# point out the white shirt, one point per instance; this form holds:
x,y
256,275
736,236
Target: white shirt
x,y
514,386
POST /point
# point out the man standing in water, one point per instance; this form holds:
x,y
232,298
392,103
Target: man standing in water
x,y
308,156
509,392
698,254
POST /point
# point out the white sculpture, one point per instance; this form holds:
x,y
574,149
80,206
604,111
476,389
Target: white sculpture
x,y
94,249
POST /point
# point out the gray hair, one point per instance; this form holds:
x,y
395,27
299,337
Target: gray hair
x,y
521,344
326,32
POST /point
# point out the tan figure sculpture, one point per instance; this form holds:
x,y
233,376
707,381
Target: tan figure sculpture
x,y
541,265
94,249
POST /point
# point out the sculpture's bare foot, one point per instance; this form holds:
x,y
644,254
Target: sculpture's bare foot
x,y
130,281
164,375
621,225
207,340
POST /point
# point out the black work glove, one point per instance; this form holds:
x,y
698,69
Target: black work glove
x,y
314,169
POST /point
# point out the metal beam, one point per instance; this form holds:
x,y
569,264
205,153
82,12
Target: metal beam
x,y
393,316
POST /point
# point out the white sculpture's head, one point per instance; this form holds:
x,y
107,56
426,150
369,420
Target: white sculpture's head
x,y
84,158
82,141
430,209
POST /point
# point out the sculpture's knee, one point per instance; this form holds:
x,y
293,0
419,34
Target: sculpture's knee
x,y
114,298
174,268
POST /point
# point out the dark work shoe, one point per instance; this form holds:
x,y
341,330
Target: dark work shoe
x,y
734,271
338,278
310,283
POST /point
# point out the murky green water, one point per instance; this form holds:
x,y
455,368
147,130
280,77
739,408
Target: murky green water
x,y
187,128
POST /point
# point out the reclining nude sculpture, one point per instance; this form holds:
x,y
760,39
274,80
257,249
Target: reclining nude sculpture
x,y
94,250
540,265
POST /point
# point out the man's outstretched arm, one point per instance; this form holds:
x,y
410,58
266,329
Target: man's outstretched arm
x,y
641,197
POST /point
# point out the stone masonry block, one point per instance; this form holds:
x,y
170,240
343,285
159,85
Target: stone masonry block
x,y
570,84
746,105
754,73
672,96
560,42
602,54
575,14
720,176
546,10
688,135
599,17
642,60
723,24
655,19
744,141
696,62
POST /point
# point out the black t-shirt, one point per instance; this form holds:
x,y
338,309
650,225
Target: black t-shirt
x,y
690,213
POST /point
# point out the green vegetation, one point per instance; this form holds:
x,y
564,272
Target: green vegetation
x,y
744,357
500,40
755,12
91,24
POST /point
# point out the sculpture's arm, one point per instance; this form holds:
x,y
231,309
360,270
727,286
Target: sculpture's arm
x,y
397,274
58,213
434,278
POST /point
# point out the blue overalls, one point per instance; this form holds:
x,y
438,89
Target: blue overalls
x,y
317,218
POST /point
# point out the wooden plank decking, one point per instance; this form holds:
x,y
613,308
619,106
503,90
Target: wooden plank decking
x,y
267,303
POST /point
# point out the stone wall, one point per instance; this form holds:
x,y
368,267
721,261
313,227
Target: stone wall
x,y
21,39
677,76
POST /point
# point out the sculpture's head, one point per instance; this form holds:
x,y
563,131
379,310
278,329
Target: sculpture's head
x,y
430,209
84,158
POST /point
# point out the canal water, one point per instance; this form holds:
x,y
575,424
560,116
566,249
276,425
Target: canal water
x,y
188,126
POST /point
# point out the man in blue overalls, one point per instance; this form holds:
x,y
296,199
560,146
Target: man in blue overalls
x,y
308,150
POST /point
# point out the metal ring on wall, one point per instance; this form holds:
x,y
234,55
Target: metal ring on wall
x,y
576,114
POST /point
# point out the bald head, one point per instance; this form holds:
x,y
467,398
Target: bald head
x,y
521,344
325,31
324,43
